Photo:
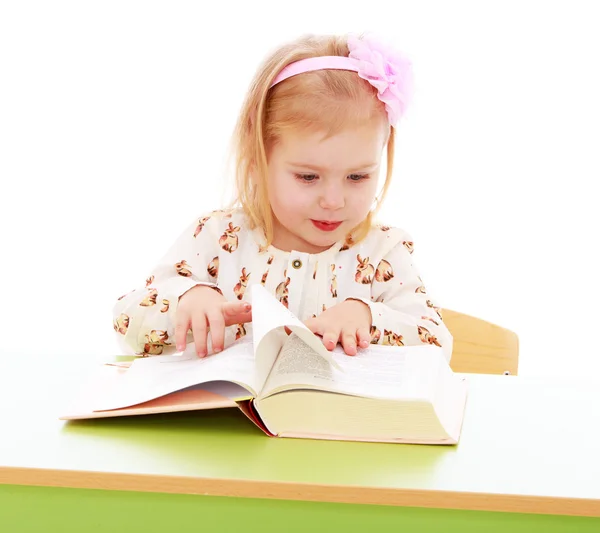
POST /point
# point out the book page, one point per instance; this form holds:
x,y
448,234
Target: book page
x,y
269,317
247,362
384,372
151,377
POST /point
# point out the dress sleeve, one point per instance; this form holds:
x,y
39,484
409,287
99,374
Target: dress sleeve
x,y
403,312
143,319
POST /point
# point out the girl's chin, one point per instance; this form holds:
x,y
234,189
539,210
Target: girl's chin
x,y
312,245
323,242
307,238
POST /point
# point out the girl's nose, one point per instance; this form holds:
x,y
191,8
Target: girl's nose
x,y
332,198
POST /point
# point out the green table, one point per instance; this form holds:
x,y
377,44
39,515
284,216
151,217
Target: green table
x,y
528,460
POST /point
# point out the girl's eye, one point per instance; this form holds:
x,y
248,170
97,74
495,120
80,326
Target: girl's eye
x,y
313,177
307,177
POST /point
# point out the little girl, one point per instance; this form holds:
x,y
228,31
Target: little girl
x,y
308,146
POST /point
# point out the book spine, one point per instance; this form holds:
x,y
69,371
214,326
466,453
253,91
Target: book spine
x,y
247,407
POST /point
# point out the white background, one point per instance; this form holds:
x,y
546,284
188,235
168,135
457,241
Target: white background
x,y
115,118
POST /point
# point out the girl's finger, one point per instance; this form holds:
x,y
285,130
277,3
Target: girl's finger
x,y
237,313
234,308
216,323
182,325
315,325
349,341
331,338
199,331
363,337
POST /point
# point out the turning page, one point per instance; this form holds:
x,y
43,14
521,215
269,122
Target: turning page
x,y
269,317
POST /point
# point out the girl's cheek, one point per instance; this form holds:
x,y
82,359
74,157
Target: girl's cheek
x,y
297,196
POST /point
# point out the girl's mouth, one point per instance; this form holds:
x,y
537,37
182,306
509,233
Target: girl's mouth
x,y
324,225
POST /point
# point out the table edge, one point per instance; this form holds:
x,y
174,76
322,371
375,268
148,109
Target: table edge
x,y
315,492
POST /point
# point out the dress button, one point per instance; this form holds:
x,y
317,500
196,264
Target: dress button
x,y
296,263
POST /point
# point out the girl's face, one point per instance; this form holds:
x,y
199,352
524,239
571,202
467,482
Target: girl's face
x,y
319,189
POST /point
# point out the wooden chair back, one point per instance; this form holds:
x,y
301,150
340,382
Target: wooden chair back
x,y
481,347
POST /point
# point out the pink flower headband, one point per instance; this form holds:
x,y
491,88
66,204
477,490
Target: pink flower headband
x,y
388,71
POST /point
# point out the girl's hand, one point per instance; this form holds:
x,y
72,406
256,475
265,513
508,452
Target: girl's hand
x,y
348,323
203,309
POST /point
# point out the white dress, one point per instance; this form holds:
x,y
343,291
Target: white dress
x,y
220,250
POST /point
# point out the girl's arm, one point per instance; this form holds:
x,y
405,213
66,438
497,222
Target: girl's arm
x,y
402,311
143,319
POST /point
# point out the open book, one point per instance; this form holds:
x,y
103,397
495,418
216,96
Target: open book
x,y
290,385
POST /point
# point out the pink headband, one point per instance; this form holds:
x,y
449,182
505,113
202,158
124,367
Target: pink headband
x,y
386,70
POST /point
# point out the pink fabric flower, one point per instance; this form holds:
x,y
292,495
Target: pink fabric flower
x,y
387,70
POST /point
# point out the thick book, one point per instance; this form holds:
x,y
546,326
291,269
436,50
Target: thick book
x,y
284,380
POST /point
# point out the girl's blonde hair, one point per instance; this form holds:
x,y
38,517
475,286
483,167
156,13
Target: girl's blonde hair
x,y
324,100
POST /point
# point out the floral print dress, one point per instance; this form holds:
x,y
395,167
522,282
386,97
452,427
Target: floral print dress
x,y
220,250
